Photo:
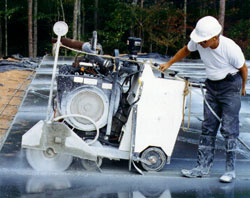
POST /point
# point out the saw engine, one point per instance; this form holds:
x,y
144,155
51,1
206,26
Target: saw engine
x,y
99,89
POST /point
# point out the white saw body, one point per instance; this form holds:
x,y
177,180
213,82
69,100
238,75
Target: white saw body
x,y
159,113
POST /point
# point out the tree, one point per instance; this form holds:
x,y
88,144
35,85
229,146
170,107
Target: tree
x,y
1,29
141,22
161,22
63,14
142,1
164,26
79,24
134,2
1,41
35,28
6,28
96,15
30,28
222,13
75,14
185,19
83,19
117,26
1,33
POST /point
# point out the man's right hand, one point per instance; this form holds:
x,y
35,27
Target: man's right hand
x,y
164,66
182,53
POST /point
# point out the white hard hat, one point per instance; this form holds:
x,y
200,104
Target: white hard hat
x,y
206,28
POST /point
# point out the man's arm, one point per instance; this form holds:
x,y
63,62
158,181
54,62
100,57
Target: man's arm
x,y
244,74
182,53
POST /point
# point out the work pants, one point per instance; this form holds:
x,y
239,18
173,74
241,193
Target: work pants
x,y
224,97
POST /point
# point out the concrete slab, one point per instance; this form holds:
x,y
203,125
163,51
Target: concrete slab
x,y
18,179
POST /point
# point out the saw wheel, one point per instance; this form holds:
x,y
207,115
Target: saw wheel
x,y
48,160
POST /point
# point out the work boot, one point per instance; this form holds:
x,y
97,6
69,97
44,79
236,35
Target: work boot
x,y
204,159
229,175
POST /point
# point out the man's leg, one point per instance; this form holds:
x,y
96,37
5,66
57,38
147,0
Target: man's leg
x,y
231,103
229,174
205,158
230,131
206,147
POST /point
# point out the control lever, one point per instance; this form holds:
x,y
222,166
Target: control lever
x,y
94,41
171,73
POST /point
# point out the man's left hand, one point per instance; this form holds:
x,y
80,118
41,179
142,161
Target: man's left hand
x,y
243,91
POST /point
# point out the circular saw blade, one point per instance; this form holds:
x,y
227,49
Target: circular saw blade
x,y
91,165
40,162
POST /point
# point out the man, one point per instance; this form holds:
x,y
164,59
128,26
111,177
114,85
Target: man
x,y
226,72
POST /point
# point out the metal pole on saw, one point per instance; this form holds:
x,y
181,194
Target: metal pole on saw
x,y
60,29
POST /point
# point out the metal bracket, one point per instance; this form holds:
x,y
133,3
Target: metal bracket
x,y
136,158
132,140
132,156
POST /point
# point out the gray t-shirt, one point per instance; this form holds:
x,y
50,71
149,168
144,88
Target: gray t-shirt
x,y
226,58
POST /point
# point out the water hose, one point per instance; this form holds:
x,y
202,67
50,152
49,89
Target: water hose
x,y
84,117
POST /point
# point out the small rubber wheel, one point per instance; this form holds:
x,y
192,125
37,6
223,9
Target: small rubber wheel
x,y
156,157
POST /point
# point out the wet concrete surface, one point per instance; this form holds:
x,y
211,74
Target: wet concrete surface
x,y
112,183
30,185
17,179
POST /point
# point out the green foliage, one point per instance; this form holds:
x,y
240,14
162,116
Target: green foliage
x,y
163,27
159,23
9,13
116,28
237,24
240,33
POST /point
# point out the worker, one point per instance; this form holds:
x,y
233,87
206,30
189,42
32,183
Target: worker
x,y
226,73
